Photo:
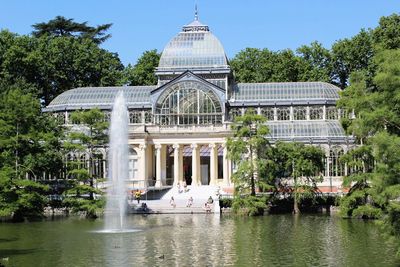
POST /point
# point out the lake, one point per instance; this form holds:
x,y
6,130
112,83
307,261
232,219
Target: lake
x,y
198,240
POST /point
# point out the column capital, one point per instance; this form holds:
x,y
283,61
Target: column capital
x,y
194,146
212,145
176,146
142,146
157,146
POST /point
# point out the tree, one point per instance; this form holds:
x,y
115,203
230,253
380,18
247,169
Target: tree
x,y
378,123
63,27
316,62
297,166
247,148
349,55
54,65
29,148
387,34
88,136
143,71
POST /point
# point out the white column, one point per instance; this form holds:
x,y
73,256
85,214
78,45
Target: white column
x,y
164,165
158,164
213,164
195,164
142,169
181,163
225,165
177,169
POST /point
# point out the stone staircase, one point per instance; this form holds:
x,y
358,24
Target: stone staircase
x,y
200,195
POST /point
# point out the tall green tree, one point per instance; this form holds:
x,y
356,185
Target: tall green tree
x,y
387,34
316,63
248,149
54,65
29,147
142,73
86,138
377,126
299,167
63,27
349,55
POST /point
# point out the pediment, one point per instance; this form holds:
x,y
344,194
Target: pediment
x,y
187,76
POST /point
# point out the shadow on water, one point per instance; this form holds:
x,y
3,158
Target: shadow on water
x,y
7,240
5,253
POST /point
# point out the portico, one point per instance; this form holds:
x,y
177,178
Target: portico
x,y
195,162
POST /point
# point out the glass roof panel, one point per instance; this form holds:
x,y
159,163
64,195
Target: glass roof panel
x,y
293,91
101,96
305,129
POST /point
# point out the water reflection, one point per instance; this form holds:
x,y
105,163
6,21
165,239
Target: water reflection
x,y
199,240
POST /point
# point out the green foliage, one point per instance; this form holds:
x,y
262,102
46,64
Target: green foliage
x,y
63,27
387,34
21,198
249,205
299,163
143,71
367,212
247,148
375,186
83,193
316,62
53,65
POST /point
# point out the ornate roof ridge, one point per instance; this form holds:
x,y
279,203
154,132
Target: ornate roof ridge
x,y
196,25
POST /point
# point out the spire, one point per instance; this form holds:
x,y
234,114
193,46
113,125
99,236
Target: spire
x,y
196,13
196,25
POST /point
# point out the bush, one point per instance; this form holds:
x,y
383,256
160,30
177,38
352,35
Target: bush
x,y
249,205
225,202
367,212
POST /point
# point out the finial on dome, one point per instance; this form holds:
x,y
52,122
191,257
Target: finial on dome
x,y
196,13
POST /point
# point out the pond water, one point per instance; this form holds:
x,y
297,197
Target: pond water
x,y
198,240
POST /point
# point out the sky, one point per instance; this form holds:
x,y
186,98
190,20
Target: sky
x,y
140,25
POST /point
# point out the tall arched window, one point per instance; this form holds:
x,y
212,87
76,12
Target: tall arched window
x,y
336,167
133,164
188,103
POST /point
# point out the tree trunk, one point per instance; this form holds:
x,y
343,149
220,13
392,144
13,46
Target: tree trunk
x,y
296,209
252,180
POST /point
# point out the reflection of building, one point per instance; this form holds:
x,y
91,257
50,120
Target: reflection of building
x,y
179,126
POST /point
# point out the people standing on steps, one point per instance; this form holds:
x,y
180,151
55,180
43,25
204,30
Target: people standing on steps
x,y
189,203
172,202
138,195
179,188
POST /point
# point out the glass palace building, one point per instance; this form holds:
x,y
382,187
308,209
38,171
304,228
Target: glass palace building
x,y
178,128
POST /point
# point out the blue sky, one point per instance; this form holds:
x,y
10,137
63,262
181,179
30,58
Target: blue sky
x,y
140,25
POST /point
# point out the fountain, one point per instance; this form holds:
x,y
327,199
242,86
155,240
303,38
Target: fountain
x,y
115,213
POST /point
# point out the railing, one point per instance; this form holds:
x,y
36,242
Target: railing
x,y
178,128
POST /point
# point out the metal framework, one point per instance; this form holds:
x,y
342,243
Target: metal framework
x,y
188,103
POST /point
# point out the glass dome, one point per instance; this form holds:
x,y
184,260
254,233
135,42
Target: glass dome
x,y
195,47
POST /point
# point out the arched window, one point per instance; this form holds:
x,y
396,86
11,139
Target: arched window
x,y
133,164
188,103
234,112
299,113
331,113
283,113
336,167
316,112
268,113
